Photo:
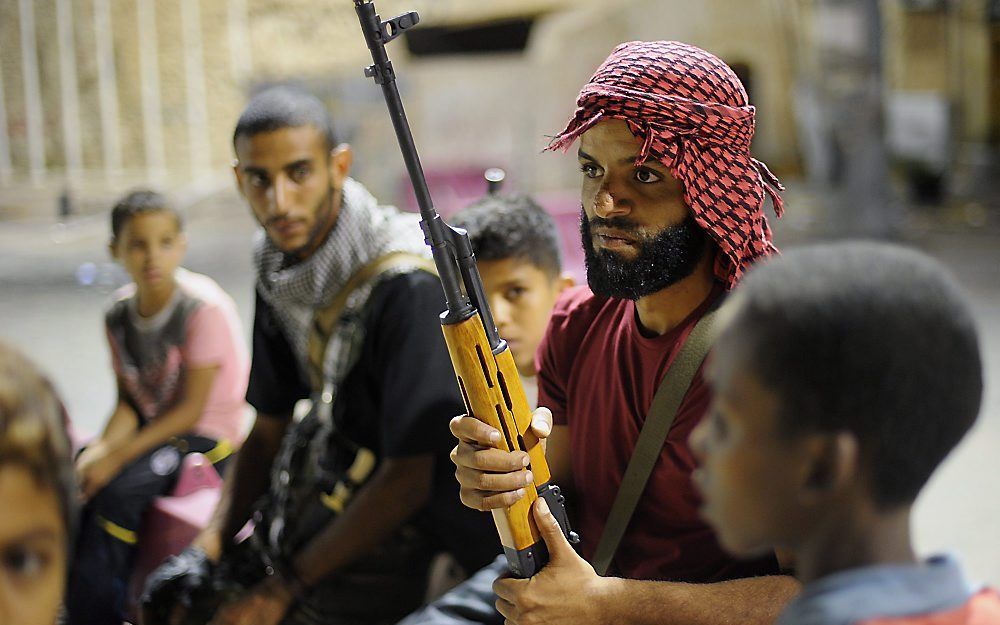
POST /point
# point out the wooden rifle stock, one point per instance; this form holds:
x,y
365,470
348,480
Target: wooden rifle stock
x,y
487,377
493,394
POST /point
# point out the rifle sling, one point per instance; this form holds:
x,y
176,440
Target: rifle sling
x,y
326,318
652,437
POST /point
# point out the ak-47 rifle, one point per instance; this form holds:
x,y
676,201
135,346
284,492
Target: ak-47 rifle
x,y
483,363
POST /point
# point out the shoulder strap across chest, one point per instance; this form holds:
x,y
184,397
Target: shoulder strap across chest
x,y
325,319
659,418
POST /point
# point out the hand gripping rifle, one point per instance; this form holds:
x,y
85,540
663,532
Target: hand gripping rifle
x,y
483,363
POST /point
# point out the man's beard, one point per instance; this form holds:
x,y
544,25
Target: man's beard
x,y
661,260
321,228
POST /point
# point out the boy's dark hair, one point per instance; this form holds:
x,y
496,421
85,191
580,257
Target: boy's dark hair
x,y
285,106
512,226
139,202
33,431
869,338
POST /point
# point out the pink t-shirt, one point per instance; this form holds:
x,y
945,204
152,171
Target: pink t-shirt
x,y
198,328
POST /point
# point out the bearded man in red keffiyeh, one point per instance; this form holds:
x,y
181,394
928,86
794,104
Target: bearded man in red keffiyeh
x,y
672,215
692,120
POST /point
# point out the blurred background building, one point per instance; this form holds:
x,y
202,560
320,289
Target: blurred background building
x,y
100,95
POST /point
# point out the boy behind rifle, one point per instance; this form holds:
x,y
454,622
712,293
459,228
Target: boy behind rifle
x,y
517,249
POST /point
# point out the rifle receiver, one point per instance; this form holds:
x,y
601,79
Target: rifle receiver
x,y
484,366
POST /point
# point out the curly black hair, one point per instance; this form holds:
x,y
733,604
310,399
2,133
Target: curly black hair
x,y
868,338
512,226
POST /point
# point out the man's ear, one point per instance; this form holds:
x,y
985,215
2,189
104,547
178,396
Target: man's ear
x,y
834,464
112,248
238,176
341,159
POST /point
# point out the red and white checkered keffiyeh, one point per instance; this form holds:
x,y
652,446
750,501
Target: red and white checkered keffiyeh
x,y
692,114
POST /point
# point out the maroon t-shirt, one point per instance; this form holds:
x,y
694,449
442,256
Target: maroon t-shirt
x,y
598,375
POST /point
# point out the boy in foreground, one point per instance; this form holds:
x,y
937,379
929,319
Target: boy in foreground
x,y
844,375
37,494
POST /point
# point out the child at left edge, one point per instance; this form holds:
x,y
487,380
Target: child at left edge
x,y
181,365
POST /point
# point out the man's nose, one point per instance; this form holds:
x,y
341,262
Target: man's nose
x,y
612,201
279,196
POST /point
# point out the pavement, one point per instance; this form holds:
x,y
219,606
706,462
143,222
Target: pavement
x,y
56,279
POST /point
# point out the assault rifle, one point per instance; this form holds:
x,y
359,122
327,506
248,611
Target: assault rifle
x,y
482,360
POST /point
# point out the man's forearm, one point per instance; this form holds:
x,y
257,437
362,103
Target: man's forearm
x,y
750,601
398,489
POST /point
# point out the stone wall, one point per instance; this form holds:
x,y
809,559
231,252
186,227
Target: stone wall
x,y
465,110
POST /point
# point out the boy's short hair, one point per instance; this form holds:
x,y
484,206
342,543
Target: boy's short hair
x,y
512,226
285,106
139,202
869,338
33,430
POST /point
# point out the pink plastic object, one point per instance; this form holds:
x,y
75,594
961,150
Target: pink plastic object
x,y
175,520
451,188
197,474
455,188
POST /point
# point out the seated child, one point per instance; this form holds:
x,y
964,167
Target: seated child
x,y
844,374
517,251
37,494
181,364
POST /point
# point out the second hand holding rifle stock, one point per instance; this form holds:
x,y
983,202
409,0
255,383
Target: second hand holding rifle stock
x,y
483,363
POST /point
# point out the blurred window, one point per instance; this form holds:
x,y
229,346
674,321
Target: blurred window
x,y
510,35
925,5
745,74
995,76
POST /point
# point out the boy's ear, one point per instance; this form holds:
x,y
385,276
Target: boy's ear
x,y
341,158
833,464
564,281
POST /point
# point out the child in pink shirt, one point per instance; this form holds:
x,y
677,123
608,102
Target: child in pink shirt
x,y
181,366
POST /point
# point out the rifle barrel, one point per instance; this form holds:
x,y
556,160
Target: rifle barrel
x,y
435,230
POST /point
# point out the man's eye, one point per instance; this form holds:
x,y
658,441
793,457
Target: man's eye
x,y
258,181
300,173
646,176
590,170
24,562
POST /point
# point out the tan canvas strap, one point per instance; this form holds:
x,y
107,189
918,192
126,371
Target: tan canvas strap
x,y
659,418
325,319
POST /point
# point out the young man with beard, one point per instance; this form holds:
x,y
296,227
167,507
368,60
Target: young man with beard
x,y
672,214
356,495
